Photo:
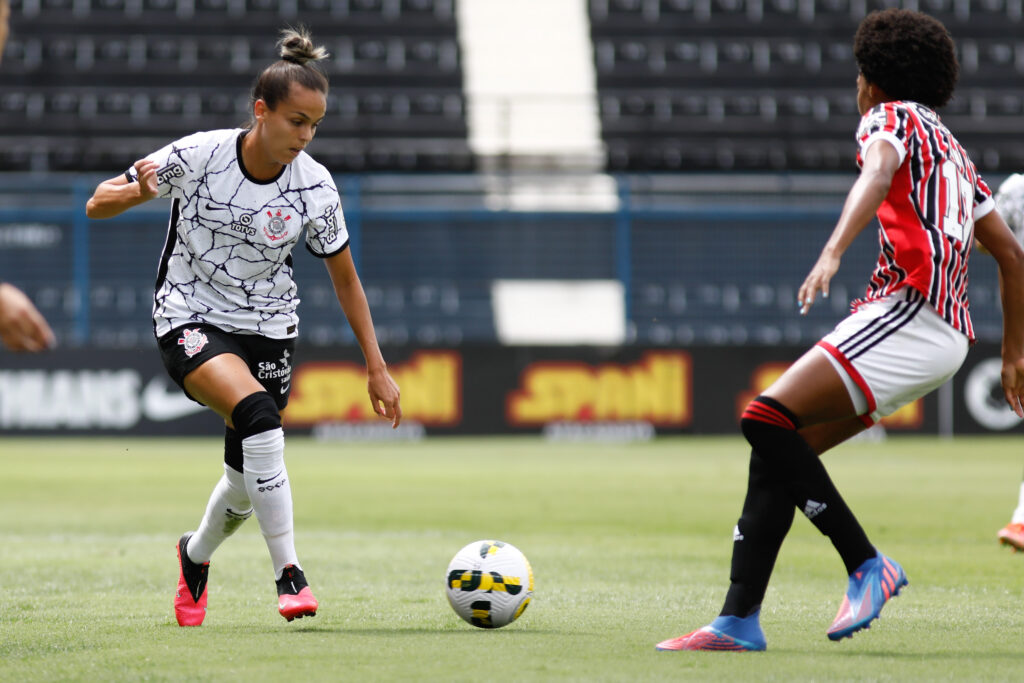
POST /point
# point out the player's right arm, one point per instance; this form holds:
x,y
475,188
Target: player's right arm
x,y
881,161
117,194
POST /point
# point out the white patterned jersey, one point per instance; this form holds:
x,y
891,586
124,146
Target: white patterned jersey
x,y
227,260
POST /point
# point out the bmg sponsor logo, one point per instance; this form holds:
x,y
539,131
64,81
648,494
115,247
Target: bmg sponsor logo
x,y
169,172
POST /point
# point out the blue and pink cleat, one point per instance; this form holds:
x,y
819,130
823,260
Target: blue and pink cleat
x,y
724,634
871,586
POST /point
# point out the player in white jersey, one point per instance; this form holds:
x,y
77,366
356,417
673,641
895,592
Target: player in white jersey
x,y
22,326
1010,204
908,336
224,311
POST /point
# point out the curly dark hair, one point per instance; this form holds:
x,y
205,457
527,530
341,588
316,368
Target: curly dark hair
x,y
909,55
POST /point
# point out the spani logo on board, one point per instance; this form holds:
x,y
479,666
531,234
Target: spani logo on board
x,y
656,389
430,381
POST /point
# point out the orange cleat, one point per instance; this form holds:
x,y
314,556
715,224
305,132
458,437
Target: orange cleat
x,y
1012,535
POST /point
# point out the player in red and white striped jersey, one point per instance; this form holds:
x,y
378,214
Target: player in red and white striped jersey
x,y
907,336
927,215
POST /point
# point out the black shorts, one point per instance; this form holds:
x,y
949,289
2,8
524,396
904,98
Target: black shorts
x,y
270,360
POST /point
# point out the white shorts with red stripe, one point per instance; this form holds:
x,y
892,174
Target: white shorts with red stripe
x,y
893,351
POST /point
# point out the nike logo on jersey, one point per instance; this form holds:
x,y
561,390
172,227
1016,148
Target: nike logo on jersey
x,y
264,481
285,387
211,207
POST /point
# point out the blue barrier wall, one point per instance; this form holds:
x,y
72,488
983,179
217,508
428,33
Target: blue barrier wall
x,y
698,265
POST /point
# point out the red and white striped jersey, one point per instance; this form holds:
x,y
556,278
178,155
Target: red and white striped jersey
x,y
927,219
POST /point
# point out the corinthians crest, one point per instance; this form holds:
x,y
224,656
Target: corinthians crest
x,y
276,228
193,341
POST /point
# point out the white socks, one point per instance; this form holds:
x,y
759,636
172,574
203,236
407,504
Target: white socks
x,y
1018,514
228,508
266,481
262,487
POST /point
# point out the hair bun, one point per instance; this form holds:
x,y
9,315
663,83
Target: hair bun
x,y
296,46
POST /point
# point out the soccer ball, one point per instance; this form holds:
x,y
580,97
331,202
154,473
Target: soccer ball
x,y
489,583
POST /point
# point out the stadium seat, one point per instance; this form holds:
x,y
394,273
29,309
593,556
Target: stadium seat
x,y
157,69
154,8
748,78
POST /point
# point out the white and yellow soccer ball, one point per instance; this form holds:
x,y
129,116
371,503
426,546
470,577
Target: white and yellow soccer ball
x,y
489,583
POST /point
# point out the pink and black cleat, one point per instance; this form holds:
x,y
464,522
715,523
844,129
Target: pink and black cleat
x,y
294,597
190,597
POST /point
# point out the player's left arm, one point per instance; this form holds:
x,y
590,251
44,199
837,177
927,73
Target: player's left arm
x,y
384,393
995,236
881,161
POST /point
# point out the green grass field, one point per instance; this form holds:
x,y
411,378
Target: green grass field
x,y
630,544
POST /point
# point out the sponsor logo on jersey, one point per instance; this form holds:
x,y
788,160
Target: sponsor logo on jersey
x,y
279,370
165,174
326,228
277,228
244,225
331,223
193,341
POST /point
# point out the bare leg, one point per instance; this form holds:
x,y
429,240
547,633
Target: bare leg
x,y
813,390
221,383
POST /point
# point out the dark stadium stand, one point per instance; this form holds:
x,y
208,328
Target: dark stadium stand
x,y
682,84
769,84
79,74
